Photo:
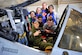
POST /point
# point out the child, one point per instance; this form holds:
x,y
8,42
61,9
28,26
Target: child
x,y
40,21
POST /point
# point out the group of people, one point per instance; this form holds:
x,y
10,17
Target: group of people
x,y
42,25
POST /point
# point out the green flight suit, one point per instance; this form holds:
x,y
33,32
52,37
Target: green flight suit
x,y
38,41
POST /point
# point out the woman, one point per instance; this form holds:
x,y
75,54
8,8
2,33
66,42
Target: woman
x,y
51,14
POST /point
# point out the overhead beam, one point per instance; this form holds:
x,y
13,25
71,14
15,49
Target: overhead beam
x,y
69,1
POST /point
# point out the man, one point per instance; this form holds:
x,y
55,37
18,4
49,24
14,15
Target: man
x,y
49,27
44,11
25,13
36,39
49,31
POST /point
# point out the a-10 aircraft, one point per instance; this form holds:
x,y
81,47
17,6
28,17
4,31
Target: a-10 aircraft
x,y
68,33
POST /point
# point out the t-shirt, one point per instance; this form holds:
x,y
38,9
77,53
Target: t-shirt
x,y
38,15
54,18
40,24
46,10
52,28
45,15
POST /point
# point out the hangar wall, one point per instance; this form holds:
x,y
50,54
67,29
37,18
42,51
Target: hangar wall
x,y
61,7
58,4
